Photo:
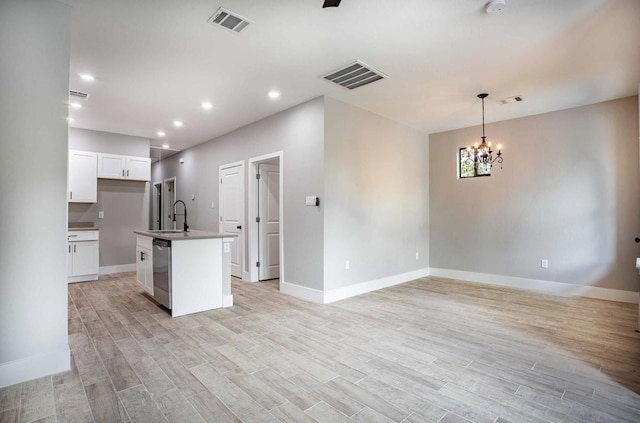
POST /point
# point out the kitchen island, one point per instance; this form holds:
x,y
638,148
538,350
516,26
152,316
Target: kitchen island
x,y
187,272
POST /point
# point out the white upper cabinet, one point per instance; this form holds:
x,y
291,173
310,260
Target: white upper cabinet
x,y
83,183
111,166
138,168
114,166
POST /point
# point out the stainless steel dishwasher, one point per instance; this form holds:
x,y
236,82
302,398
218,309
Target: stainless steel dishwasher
x,y
162,271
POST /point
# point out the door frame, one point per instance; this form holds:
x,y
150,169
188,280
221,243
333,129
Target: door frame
x,y
253,274
242,258
166,197
154,205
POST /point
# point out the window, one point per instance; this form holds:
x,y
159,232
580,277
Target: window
x,y
466,167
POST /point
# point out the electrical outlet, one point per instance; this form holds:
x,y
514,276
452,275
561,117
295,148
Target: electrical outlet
x,y
193,197
347,265
100,215
544,263
213,205
417,256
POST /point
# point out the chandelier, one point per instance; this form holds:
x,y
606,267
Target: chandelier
x,y
480,155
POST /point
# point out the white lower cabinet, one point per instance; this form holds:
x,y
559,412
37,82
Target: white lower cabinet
x,y
83,252
144,263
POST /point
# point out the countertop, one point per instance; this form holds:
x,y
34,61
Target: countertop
x,y
180,236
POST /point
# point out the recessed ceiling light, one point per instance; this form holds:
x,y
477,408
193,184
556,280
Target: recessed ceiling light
x,y
274,94
86,76
206,105
165,145
161,133
76,105
177,123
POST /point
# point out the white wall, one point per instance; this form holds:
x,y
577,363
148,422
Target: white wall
x,y
34,82
568,193
376,178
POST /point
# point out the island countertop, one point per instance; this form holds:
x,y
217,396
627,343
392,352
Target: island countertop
x,y
181,236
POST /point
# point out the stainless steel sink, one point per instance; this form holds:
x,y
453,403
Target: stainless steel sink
x,y
166,231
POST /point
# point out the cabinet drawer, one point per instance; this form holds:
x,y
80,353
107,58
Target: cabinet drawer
x,y
145,242
74,236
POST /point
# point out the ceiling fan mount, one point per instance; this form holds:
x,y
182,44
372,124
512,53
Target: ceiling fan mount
x,y
331,3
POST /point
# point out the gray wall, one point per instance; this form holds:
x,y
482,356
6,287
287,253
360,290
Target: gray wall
x,y
34,82
108,142
125,203
299,133
568,193
376,177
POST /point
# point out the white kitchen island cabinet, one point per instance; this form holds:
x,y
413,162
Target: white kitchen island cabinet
x,y
192,271
144,263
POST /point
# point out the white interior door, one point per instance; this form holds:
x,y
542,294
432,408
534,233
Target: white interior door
x,y
232,212
269,221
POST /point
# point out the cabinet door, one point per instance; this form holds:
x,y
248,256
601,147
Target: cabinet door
x,y
148,282
111,166
138,168
83,182
140,267
85,258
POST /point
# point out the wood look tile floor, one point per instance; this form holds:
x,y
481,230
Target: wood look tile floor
x,y
425,351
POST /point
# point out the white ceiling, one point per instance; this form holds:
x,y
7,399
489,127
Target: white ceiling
x,y
156,60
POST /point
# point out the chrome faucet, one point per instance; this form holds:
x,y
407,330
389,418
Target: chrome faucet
x,y
186,227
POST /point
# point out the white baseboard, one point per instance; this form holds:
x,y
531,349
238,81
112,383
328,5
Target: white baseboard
x,y
34,367
227,301
120,268
374,285
558,288
302,292
83,278
326,297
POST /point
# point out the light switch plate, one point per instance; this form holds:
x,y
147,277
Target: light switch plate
x,y
100,215
312,201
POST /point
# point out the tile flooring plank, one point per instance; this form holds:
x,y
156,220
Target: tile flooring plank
x,y
37,399
140,407
346,405
105,404
121,373
298,397
237,400
289,413
211,409
324,413
258,390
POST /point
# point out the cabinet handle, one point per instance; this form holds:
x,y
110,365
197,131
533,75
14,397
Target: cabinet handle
x,y
74,248
70,195
69,248
127,172
122,172
141,255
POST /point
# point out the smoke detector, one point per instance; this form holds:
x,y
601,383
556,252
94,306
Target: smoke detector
x,y
495,6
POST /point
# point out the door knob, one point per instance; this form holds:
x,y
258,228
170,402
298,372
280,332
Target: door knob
x,y
637,240
240,227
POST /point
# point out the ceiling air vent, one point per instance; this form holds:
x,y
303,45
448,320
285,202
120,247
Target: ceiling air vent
x,y
78,95
229,20
355,75
509,100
